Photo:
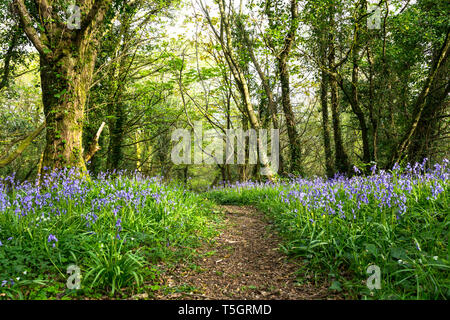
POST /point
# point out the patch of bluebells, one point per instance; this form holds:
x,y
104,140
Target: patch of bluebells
x,y
68,192
382,190
109,206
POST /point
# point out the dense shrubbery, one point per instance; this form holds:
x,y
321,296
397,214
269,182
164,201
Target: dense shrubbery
x,y
111,227
397,220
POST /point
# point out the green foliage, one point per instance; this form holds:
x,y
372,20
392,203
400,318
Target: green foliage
x,y
412,251
110,268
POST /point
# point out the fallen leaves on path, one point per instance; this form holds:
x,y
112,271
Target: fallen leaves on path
x,y
246,264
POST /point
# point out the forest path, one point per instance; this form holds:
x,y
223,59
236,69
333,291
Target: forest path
x,y
244,262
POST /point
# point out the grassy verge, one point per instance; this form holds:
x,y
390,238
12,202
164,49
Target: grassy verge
x,y
395,221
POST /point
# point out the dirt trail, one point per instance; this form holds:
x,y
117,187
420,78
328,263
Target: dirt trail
x,y
246,264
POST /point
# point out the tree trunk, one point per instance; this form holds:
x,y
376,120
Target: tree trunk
x,y
116,135
341,158
65,83
373,118
264,80
356,108
243,167
67,60
354,99
225,39
8,58
325,126
324,104
295,146
282,57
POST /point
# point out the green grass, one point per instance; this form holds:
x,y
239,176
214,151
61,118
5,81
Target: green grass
x,y
412,251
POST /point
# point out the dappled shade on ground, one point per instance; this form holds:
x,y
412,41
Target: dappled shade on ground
x,y
246,264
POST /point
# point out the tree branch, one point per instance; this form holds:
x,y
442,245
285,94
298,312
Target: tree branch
x,y
21,148
7,62
31,33
94,146
45,9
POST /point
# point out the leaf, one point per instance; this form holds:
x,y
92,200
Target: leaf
x,y
336,285
58,95
46,50
372,249
398,253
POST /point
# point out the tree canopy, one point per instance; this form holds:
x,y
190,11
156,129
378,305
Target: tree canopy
x,y
347,83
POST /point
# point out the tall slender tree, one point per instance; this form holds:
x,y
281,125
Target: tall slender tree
x,y
282,53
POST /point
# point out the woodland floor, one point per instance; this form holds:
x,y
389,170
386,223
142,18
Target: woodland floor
x,y
244,262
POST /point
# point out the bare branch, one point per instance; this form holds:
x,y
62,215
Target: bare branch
x,y
94,146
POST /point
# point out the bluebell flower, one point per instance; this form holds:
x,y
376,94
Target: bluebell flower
x,y
52,238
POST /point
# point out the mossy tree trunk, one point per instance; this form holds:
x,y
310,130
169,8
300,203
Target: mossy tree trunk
x,y
116,125
67,60
325,118
65,83
341,159
282,56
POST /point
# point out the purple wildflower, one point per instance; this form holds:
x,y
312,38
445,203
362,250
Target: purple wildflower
x,y
52,238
